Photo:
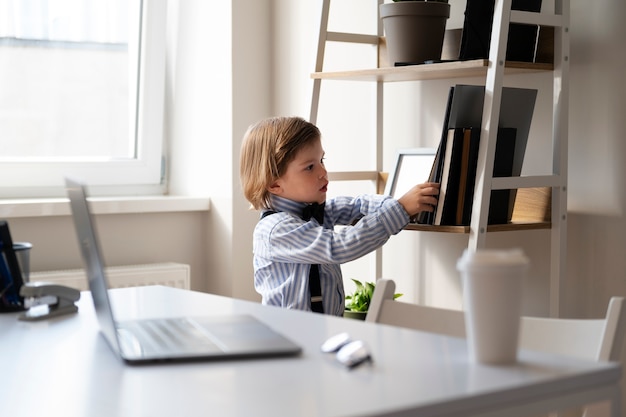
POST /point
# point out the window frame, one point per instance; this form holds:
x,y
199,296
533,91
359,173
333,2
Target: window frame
x,y
141,175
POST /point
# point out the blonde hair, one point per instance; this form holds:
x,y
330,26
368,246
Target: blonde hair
x,y
268,147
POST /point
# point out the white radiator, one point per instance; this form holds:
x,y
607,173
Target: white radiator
x,y
169,274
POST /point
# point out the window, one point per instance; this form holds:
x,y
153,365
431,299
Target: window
x,y
82,95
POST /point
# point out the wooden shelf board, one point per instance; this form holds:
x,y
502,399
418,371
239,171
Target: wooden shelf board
x,y
509,227
443,70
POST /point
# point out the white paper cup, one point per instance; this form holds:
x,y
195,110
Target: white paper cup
x,y
492,299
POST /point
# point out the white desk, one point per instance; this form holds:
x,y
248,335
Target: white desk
x,y
62,367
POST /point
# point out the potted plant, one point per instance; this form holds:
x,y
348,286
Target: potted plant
x,y
358,303
414,29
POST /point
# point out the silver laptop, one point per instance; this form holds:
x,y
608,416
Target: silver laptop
x,y
182,338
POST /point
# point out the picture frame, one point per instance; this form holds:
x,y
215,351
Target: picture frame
x,y
412,167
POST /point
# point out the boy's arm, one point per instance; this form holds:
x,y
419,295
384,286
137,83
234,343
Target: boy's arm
x,y
346,210
287,239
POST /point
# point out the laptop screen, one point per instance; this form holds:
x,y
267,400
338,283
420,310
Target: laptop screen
x,y
90,250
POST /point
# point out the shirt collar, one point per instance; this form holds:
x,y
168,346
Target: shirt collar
x,y
286,205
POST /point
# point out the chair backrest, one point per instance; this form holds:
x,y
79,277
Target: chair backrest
x,y
593,339
383,309
597,339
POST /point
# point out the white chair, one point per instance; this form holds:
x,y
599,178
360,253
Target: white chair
x,y
596,339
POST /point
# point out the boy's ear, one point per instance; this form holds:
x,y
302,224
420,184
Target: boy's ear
x,y
275,188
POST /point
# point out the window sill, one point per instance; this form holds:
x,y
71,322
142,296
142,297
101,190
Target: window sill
x,y
103,205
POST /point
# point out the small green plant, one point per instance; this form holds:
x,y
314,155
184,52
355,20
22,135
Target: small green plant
x,y
360,299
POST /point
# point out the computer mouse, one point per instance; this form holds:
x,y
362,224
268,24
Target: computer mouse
x,y
353,354
334,343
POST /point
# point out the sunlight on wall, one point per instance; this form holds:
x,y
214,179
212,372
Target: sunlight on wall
x,y
597,124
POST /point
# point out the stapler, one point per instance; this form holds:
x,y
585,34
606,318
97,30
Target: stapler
x,y
45,300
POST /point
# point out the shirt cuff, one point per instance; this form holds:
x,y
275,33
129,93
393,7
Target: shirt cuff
x,y
393,216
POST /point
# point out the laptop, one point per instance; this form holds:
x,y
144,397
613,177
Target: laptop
x,y
167,339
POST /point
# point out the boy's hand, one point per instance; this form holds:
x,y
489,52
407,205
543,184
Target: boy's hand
x,y
422,197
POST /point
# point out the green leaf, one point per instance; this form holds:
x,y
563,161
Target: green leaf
x,y
361,298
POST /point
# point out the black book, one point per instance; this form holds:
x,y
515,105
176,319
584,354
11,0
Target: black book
x,y
502,201
464,110
437,168
450,180
476,35
516,111
472,142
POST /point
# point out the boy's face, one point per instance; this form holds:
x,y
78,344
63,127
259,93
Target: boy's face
x,y
305,180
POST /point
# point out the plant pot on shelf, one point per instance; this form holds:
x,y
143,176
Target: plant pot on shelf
x,y
357,315
414,30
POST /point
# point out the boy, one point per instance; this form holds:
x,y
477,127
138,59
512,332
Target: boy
x,y
297,254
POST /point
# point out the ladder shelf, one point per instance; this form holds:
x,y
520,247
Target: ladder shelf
x,y
545,203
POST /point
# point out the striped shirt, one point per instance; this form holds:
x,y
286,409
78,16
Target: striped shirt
x,y
285,246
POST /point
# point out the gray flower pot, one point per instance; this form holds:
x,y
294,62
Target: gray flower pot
x,y
414,30
358,315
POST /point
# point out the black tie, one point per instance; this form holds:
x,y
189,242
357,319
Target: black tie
x,y
316,211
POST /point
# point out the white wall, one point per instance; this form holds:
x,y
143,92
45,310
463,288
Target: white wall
x,y
218,84
199,121
597,225
126,239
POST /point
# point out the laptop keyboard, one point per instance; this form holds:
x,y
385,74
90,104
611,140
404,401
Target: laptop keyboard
x,y
167,336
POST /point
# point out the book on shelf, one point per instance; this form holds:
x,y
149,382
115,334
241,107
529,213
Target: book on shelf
x,y
469,163
450,174
426,217
476,33
516,111
458,177
501,202
464,111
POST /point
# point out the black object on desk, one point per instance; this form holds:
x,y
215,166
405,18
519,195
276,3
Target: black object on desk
x,y
10,274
